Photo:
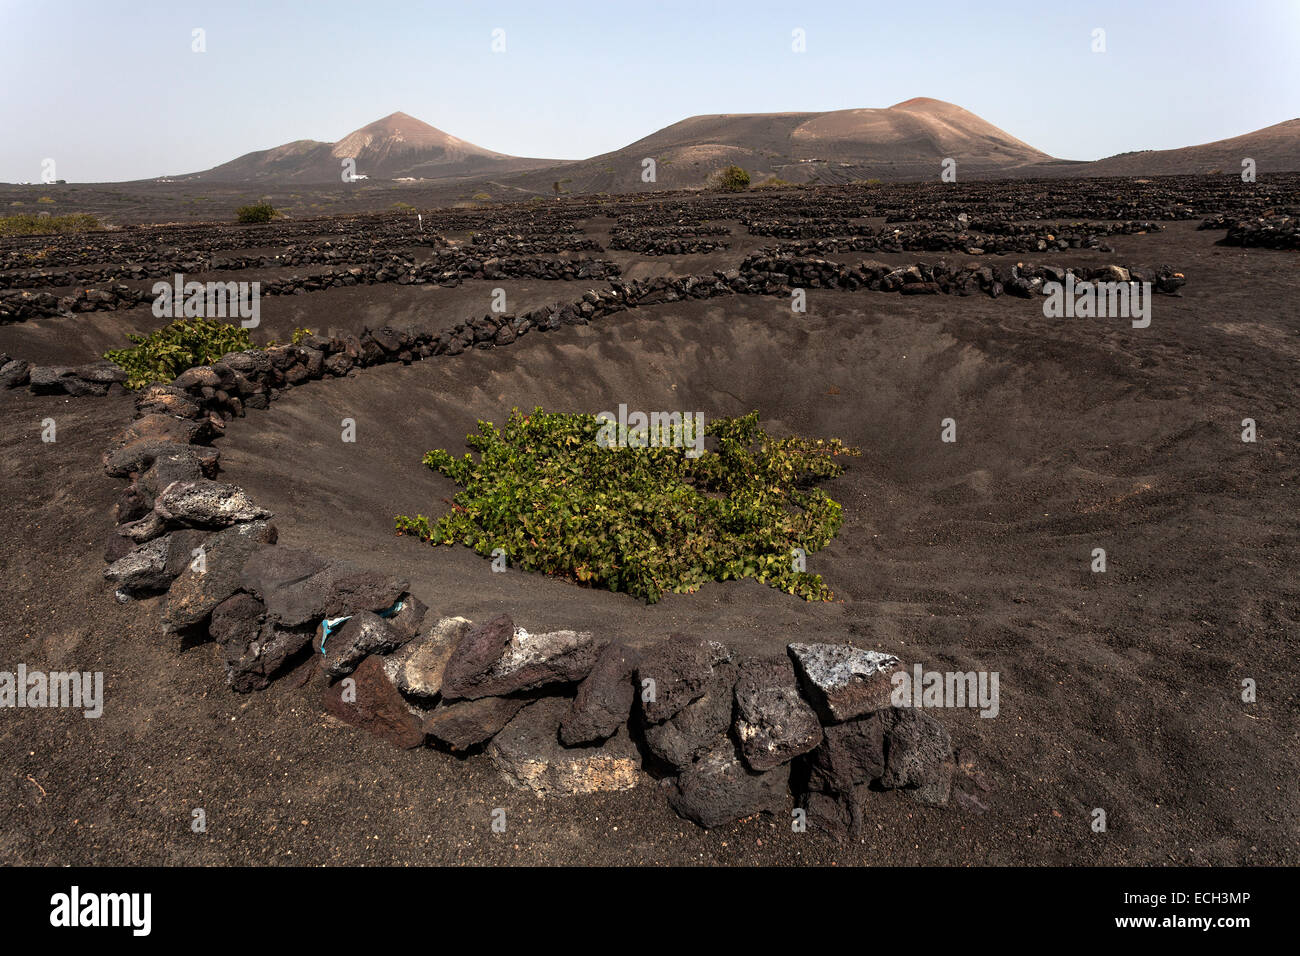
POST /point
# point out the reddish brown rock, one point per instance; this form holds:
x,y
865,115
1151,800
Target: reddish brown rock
x,y
496,658
368,699
468,723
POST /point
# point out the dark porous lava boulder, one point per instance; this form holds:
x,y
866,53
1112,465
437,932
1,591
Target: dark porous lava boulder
x,y
604,700
774,724
676,672
718,789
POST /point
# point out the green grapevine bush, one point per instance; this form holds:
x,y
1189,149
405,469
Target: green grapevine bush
x,y
732,179
162,355
26,224
257,212
642,520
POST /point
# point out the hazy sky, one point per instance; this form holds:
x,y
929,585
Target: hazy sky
x,y
113,91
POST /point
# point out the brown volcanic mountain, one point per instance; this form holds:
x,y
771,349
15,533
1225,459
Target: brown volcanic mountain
x,y
908,140
394,147
1274,149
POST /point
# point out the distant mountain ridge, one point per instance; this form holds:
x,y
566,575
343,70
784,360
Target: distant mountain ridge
x,y
1274,148
907,141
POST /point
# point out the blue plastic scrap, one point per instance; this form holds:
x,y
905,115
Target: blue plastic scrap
x,y
331,624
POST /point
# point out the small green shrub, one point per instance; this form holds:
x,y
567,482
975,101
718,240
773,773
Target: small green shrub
x,y
645,520
162,355
257,212
732,179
